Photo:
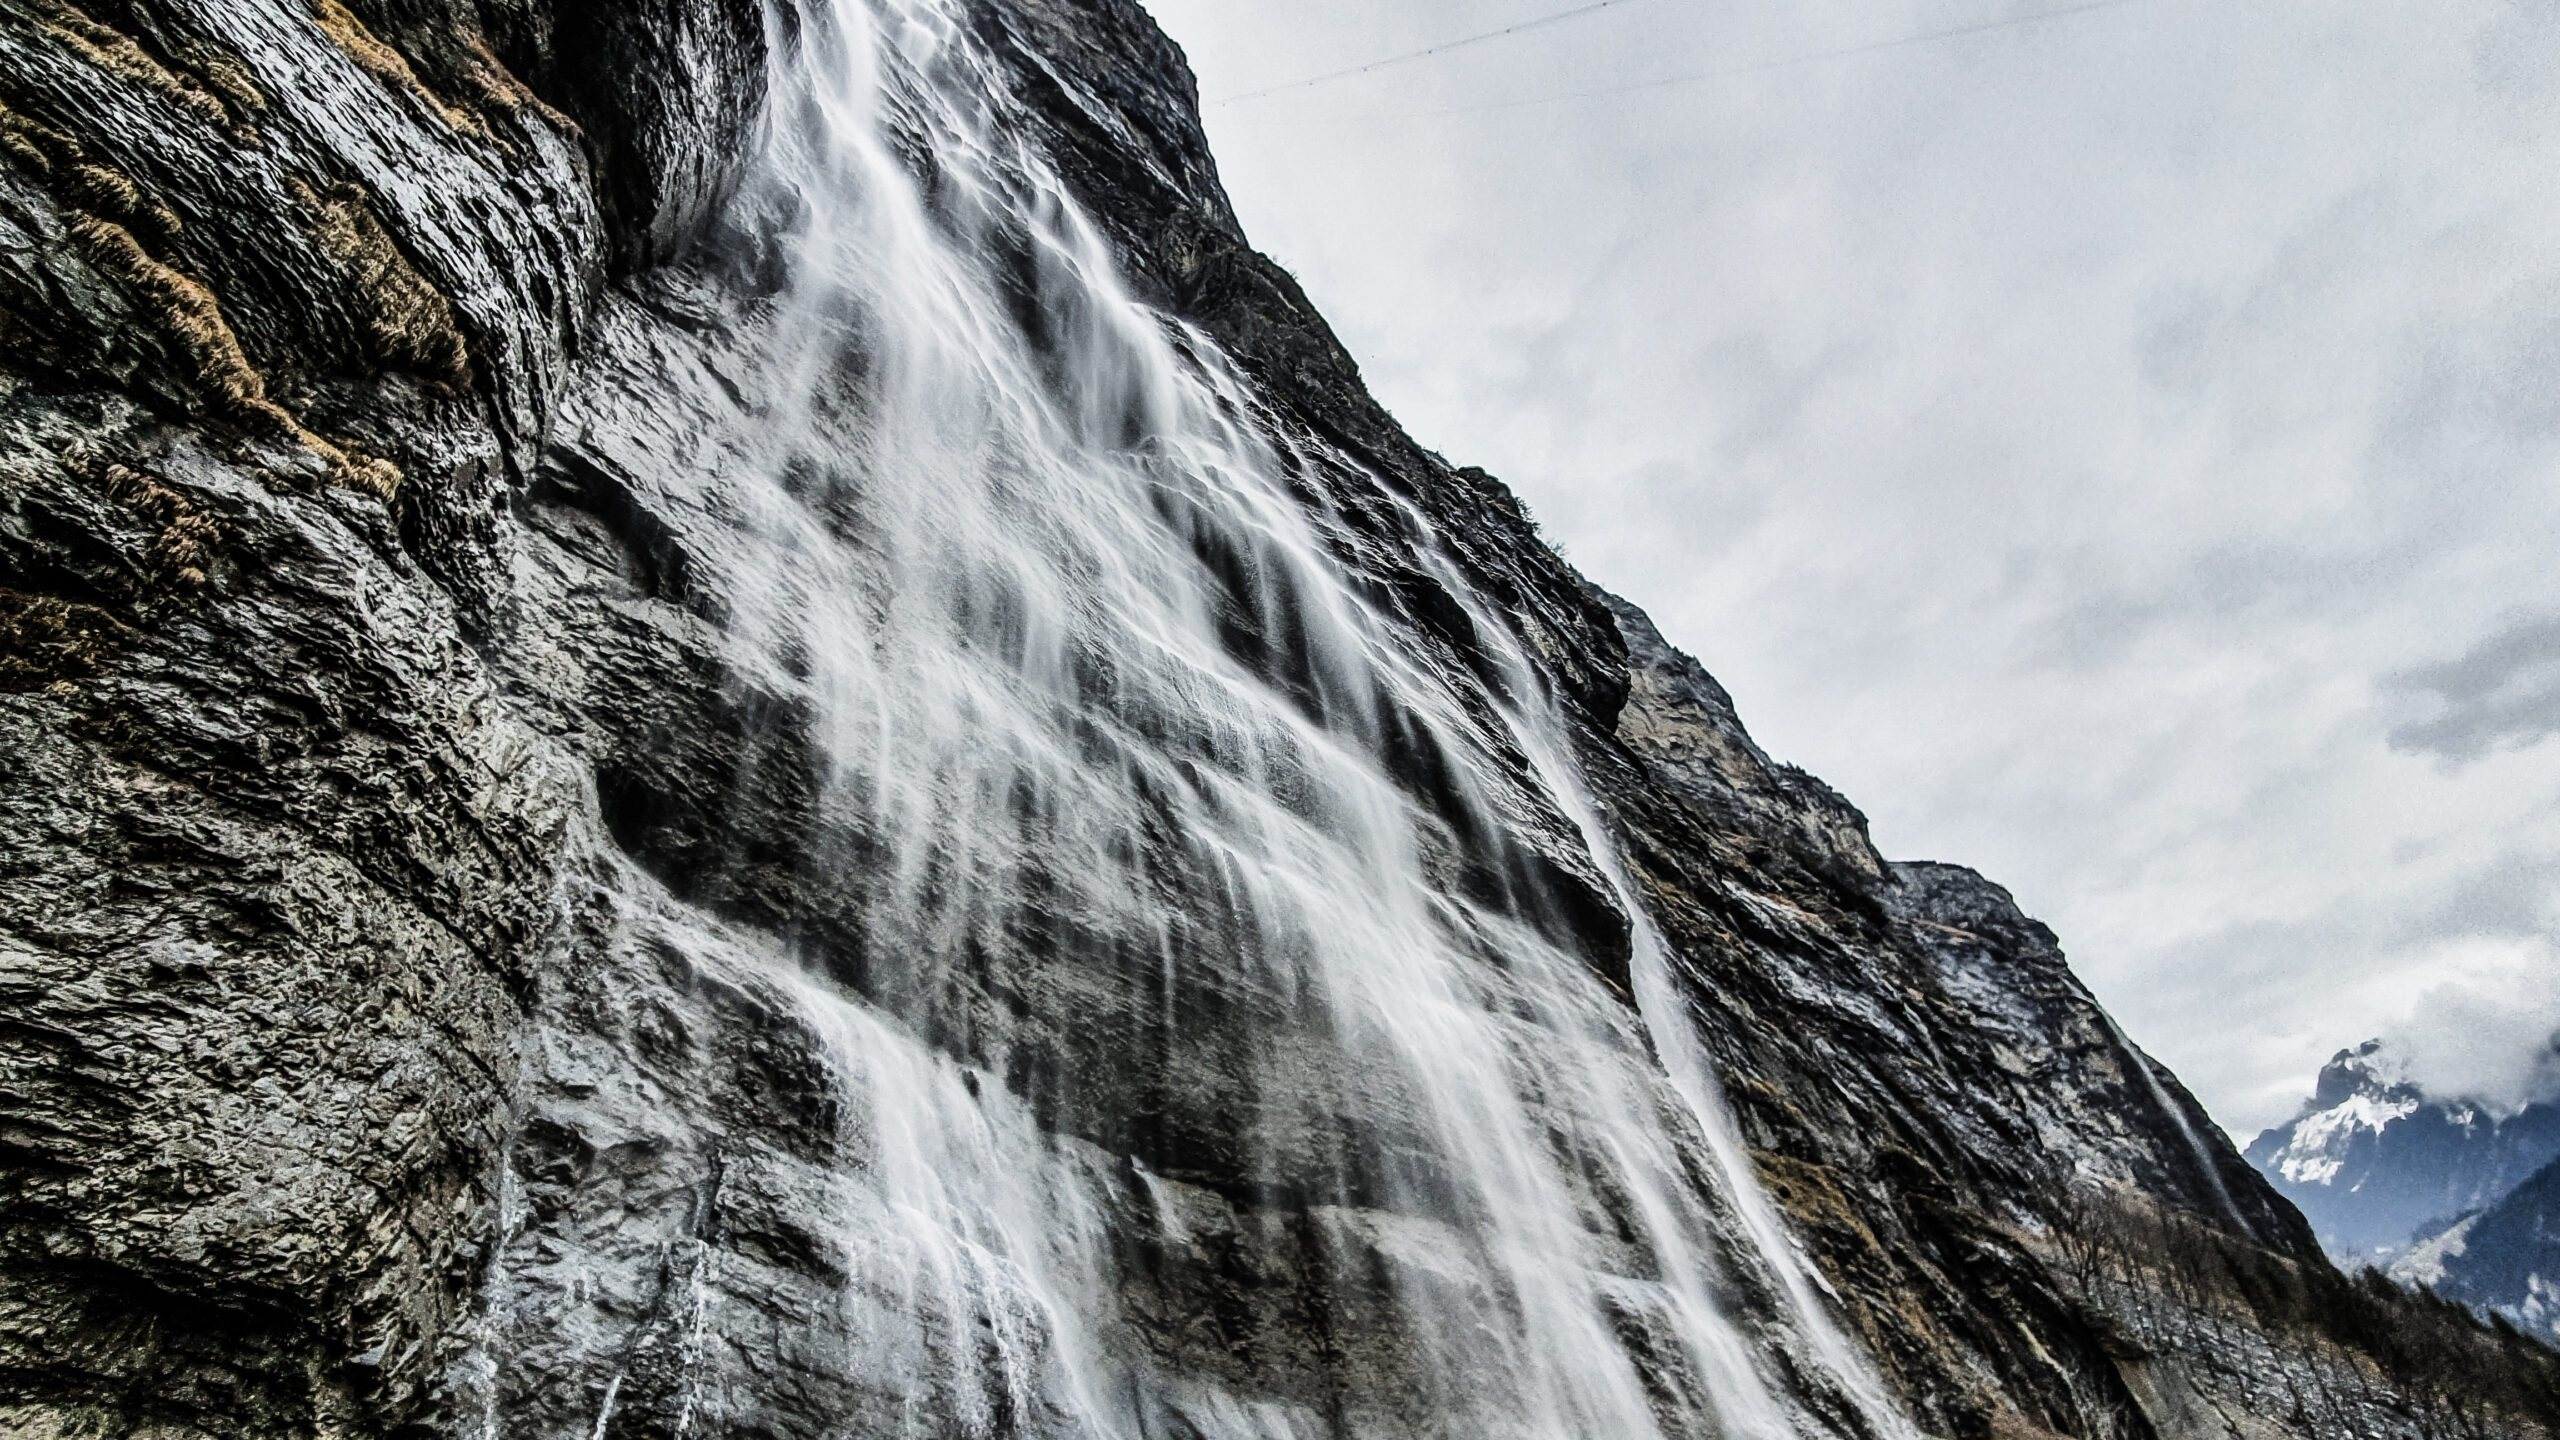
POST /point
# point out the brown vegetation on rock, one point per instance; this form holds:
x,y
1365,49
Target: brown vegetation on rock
x,y
408,323
188,313
46,640
191,316
117,225
187,537
386,64
118,53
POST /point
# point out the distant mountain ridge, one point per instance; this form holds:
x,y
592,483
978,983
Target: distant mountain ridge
x,y
2373,1160
2504,1259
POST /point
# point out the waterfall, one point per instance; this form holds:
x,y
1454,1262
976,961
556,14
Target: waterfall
x,y
2132,1058
1203,1047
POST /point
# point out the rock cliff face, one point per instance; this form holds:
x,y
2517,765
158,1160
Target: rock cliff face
x,y
509,923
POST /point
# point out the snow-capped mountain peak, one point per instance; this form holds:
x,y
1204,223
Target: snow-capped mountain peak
x,y
2361,1092
2372,1158
2323,1139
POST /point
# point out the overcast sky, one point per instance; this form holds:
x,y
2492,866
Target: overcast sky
x,y
2121,451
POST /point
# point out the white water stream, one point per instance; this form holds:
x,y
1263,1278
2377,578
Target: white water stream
x,y
1116,736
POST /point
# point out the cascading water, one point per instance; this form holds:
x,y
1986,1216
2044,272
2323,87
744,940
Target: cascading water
x,y
1204,1047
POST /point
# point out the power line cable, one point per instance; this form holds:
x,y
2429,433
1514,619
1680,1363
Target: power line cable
x,y
1756,68
1817,57
1443,48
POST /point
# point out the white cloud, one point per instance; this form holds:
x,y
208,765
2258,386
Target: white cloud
x,y
2113,450
2487,1032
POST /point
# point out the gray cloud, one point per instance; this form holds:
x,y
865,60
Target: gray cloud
x,y
2047,437
2500,1050
2489,1033
2542,1082
2504,690
2226,587
2510,896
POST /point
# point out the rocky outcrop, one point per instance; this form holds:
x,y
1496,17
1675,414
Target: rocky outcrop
x,y
279,858
410,911
1923,1080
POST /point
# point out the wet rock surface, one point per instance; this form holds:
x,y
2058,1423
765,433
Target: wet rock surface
x,y
409,912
